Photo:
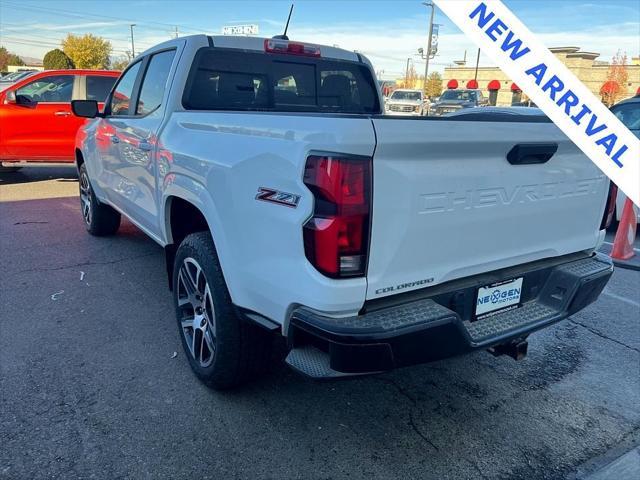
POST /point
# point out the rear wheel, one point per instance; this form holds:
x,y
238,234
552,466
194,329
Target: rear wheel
x,y
99,219
223,350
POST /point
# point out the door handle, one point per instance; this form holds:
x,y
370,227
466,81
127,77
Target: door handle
x,y
115,139
531,153
62,113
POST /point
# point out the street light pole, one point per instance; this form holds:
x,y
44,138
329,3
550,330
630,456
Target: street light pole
x,y
133,48
426,66
475,76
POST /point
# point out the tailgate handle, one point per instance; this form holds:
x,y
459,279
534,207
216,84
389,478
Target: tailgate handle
x,y
531,153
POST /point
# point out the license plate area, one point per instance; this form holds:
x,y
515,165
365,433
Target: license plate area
x,y
498,297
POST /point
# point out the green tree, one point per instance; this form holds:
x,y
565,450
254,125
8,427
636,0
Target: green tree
x,y
87,51
4,59
15,60
434,85
57,60
7,58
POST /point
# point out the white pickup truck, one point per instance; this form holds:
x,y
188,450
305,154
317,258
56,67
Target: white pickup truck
x,y
289,206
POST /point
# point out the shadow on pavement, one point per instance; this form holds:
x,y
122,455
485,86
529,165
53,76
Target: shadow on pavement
x,y
39,174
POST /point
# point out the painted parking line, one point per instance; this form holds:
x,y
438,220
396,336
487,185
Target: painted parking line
x,y
621,298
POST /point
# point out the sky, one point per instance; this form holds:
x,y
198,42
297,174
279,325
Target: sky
x,y
387,31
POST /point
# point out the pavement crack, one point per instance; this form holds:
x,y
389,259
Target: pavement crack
x,y
29,223
476,467
83,264
602,335
414,404
419,432
401,390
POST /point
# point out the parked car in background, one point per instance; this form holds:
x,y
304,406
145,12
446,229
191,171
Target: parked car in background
x,y
14,77
453,100
289,206
526,103
407,102
36,122
628,112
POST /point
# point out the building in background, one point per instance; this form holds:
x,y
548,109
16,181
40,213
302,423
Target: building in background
x,y
29,64
503,92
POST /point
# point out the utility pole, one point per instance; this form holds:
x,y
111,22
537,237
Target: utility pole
x,y
406,74
426,66
133,48
175,32
475,76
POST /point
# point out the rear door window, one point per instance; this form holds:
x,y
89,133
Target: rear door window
x,y
99,86
155,82
231,80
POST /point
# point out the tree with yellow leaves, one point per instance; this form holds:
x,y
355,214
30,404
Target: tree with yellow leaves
x,y
615,88
434,85
87,51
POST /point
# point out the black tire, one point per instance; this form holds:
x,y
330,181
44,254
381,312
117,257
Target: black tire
x,y
241,350
99,219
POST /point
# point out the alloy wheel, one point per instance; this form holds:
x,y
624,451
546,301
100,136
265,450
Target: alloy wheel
x,y
85,197
196,310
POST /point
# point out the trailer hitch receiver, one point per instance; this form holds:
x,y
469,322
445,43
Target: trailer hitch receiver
x,y
516,349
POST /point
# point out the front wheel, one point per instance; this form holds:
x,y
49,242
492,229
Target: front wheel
x,y
99,219
223,350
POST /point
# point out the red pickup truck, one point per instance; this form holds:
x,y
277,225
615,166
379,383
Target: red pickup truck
x,y
36,122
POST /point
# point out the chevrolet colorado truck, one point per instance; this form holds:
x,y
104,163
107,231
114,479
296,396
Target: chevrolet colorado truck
x,y
289,206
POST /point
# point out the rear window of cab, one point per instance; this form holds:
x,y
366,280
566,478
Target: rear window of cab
x,y
225,79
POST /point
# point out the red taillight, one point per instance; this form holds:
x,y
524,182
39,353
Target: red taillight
x,y
336,238
610,209
275,45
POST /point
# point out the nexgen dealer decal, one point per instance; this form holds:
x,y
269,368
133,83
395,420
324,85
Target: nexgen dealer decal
x,y
565,100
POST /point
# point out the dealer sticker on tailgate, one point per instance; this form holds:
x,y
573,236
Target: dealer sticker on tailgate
x,y
498,296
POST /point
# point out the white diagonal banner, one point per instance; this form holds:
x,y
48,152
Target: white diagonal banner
x,y
552,86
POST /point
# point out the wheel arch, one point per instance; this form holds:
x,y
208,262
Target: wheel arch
x,y
188,208
79,158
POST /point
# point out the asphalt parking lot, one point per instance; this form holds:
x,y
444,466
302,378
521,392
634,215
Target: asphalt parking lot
x,y
90,386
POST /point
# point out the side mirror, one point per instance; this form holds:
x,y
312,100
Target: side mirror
x,y
10,98
85,108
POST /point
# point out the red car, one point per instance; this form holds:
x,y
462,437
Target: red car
x,y
36,122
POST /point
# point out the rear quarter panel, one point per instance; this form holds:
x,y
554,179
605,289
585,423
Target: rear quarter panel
x,y
220,160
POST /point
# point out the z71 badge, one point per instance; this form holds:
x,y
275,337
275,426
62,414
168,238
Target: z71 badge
x,y
277,197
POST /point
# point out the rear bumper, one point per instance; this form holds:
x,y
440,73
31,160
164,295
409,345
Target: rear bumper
x,y
440,324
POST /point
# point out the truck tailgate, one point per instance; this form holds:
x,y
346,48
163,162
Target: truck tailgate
x,y
448,204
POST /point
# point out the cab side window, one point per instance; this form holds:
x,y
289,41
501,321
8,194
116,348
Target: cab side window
x,y
57,88
121,98
98,87
155,82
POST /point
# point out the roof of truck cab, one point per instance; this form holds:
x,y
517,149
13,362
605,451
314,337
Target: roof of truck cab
x,y
255,44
